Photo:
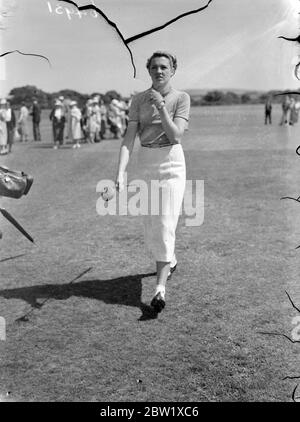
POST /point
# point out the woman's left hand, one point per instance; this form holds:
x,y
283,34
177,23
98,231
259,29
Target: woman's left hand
x,y
156,98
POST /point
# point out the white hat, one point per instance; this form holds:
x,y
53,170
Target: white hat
x,y
2,101
115,102
58,103
95,100
89,101
61,98
72,103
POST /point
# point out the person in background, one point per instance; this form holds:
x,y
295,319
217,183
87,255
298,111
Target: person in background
x,y
93,121
97,112
115,119
293,112
58,124
36,119
121,108
75,124
126,111
268,111
10,125
84,119
3,128
297,108
285,111
103,125
23,122
67,113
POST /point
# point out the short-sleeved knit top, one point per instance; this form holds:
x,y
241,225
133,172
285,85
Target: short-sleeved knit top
x,y
150,129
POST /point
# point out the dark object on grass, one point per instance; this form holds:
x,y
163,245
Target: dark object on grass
x,y
158,303
148,313
12,220
14,184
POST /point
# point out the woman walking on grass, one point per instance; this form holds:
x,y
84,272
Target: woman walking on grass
x,y
159,116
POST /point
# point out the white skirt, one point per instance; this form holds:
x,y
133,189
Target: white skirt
x,y
164,167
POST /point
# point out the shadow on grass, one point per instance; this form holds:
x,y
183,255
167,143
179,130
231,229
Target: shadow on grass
x,y
117,291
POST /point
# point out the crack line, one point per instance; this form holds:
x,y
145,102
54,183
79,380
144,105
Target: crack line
x,y
111,23
297,39
158,28
278,334
25,54
137,36
292,303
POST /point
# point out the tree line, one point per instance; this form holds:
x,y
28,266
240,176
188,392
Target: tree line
x,y
218,97
214,97
46,100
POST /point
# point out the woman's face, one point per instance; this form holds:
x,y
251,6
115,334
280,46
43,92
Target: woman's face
x,y
160,71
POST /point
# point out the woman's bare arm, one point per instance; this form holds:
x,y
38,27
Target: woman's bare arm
x,y
125,152
173,129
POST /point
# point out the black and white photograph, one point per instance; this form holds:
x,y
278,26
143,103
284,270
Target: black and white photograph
x,y
149,203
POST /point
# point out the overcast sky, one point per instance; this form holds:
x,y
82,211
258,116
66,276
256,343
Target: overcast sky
x,y
232,44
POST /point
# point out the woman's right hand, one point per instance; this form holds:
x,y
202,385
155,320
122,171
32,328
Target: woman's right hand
x,y
119,182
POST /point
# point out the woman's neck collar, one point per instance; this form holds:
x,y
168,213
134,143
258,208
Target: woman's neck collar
x,y
164,90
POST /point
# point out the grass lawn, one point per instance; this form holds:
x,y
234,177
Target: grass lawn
x,y
74,302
